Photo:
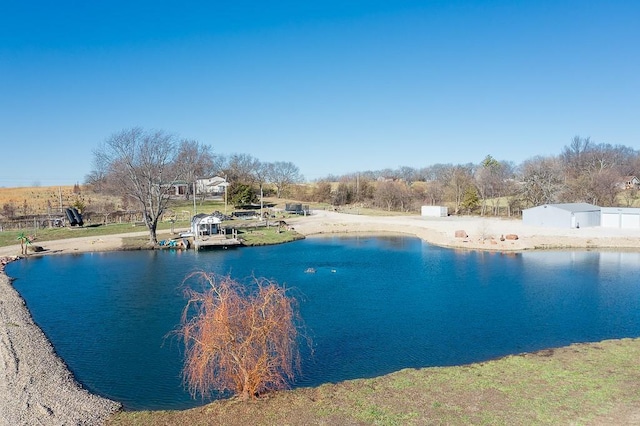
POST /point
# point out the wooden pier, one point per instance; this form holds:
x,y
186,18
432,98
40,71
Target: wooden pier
x,y
216,241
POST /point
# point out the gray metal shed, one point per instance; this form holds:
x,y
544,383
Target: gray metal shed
x,y
620,217
569,215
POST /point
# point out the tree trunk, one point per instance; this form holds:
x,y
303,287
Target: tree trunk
x,y
152,225
153,237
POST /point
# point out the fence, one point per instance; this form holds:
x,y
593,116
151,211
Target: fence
x,y
58,220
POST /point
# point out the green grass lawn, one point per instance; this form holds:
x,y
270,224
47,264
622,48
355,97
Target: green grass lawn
x,y
584,384
266,235
250,234
8,238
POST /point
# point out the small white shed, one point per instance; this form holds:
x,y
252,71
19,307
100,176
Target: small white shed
x,y
620,217
434,211
569,215
204,224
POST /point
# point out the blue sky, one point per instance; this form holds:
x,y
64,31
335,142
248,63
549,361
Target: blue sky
x,y
332,86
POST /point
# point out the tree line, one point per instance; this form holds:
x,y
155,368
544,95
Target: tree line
x,y
140,165
584,171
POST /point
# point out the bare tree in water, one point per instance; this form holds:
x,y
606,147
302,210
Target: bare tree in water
x,y
239,339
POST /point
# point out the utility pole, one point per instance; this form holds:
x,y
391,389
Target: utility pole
x,y
226,185
194,196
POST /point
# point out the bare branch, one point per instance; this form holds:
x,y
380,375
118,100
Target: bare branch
x,y
236,340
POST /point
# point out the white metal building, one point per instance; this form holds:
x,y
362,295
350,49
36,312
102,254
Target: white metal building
x,y
620,217
569,215
434,211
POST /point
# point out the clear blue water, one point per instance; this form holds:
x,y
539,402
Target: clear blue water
x,y
373,306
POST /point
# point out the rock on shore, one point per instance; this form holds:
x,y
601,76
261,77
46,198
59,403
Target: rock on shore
x,y
36,387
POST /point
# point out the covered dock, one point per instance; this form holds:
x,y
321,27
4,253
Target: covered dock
x,y
208,232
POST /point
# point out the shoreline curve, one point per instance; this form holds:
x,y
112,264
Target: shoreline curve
x,y
36,387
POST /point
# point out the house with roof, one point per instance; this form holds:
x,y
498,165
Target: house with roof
x,y
567,215
630,182
178,187
211,186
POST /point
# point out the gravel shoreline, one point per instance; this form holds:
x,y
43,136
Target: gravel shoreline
x,y
36,387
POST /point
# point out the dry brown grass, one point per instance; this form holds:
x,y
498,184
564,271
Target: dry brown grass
x,y
45,199
36,199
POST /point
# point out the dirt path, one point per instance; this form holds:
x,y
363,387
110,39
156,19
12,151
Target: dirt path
x,y
79,245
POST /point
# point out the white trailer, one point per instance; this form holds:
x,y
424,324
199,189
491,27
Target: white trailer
x,y
434,211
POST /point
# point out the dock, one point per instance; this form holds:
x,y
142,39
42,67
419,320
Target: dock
x,y
216,241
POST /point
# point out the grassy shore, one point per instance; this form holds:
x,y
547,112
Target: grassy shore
x,y
9,238
250,232
595,383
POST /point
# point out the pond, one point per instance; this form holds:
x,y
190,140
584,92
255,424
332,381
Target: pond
x,y
372,305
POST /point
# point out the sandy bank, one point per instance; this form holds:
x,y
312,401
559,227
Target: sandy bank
x,y
483,233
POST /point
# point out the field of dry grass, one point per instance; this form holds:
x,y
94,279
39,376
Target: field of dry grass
x,y
25,201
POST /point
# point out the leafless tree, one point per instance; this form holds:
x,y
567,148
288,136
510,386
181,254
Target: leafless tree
x,y
459,179
364,188
434,192
594,172
606,187
488,178
574,155
344,193
260,176
283,174
237,340
385,195
408,174
506,188
542,180
321,192
9,210
241,168
393,195
196,161
96,179
142,165
494,181
435,172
